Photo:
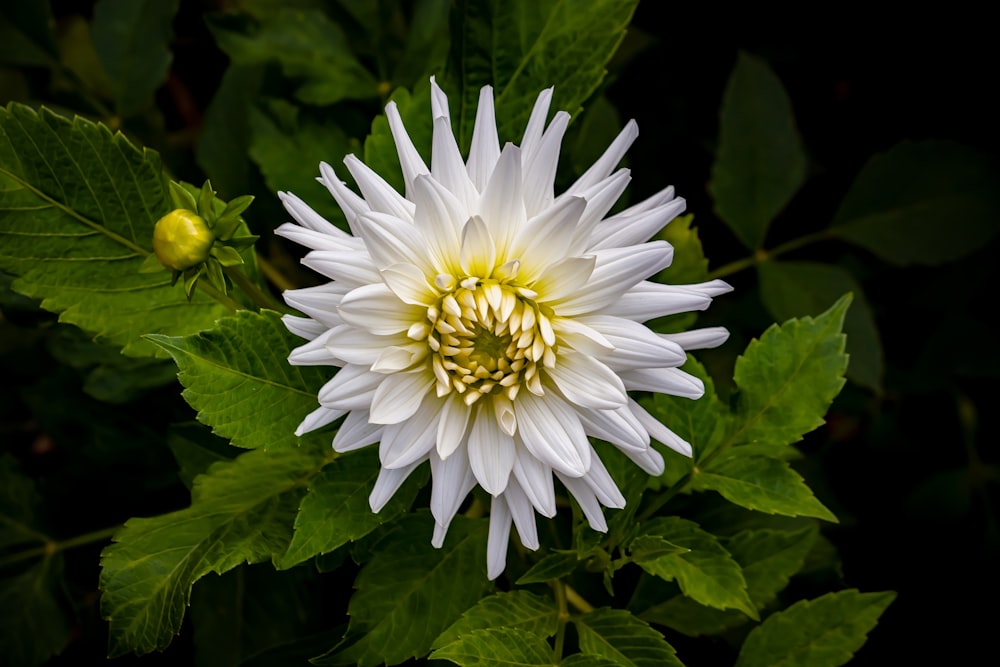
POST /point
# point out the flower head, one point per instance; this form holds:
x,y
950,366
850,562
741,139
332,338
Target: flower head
x,y
484,324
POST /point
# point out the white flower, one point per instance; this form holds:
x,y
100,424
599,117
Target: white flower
x,y
487,326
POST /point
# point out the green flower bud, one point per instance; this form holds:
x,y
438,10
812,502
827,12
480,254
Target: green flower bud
x,y
181,240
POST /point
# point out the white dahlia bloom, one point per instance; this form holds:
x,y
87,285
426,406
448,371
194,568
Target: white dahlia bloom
x,y
487,326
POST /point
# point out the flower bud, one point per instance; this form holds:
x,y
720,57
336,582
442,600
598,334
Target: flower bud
x,y
181,240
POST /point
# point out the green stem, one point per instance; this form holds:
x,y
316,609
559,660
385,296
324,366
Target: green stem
x,y
560,591
52,547
760,256
575,599
259,296
664,498
277,278
219,296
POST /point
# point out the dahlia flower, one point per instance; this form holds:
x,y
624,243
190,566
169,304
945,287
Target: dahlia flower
x,y
487,326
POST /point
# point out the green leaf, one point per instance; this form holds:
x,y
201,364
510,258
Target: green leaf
x,y
760,483
288,149
27,35
705,571
33,625
195,450
588,660
517,610
426,46
552,566
308,45
521,47
760,163
646,548
17,505
824,632
788,378
496,647
792,289
768,557
238,378
409,592
77,209
241,511
132,39
336,509
624,639
925,202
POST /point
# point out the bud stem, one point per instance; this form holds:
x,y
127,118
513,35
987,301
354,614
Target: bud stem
x,y
259,296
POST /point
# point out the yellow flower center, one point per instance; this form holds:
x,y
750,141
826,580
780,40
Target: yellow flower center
x,y
487,336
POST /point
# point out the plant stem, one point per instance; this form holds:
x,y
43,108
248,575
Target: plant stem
x,y
577,600
760,256
259,296
224,299
52,547
276,277
560,590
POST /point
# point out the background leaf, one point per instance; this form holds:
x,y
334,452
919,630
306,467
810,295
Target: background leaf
x,y
793,289
517,610
496,647
624,639
760,163
237,377
26,34
925,202
132,38
35,626
824,632
77,209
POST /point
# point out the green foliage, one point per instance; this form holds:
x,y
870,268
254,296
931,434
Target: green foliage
x,y
824,632
496,647
35,626
77,209
554,566
518,610
409,592
925,202
792,289
236,376
622,638
26,35
523,46
131,38
761,163
241,512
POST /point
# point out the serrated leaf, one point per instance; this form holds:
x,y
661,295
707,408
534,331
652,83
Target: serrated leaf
x,y
651,547
925,202
77,209
496,647
760,163
768,558
33,625
788,378
760,483
518,610
132,39
824,632
587,660
521,47
409,592
552,566
26,34
623,638
336,509
308,45
288,150
238,378
792,289
706,572
241,512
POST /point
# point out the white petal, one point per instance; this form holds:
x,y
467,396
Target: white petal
x,y
671,381
356,346
390,240
616,270
502,203
318,418
439,101
552,432
351,204
600,199
356,432
377,310
545,238
485,149
410,284
649,300
380,196
320,302
491,453
499,537
303,327
536,124
409,159
658,431
307,217
587,382
699,339
540,171
609,160
396,358
535,479
478,256
635,346
523,515
629,230
451,429
399,396
387,484
587,500
310,238
600,482
352,268
452,481
619,427
314,353
447,166
440,218
352,388
564,279
409,441
650,460
581,337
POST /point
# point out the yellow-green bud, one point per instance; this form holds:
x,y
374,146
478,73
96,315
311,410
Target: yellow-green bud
x,y
181,239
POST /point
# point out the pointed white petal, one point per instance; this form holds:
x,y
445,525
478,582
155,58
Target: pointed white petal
x,y
545,238
502,203
609,160
499,537
314,353
659,199
439,101
319,418
600,199
671,381
523,515
452,481
540,170
439,218
587,500
410,440
550,429
649,300
619,427
600,482
635,346
447,166
409,159
396,358
350,203
377,310
314,240
352,268
587,382
485,149
352,388
535,479
409,284
320,302
699,339
307,217
356,346
580,337
387,484
379,195
399,396
304,327
390,240
658,431
479,254
356,432
650,460
629,230
452,427
491,453
536,124
564,279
